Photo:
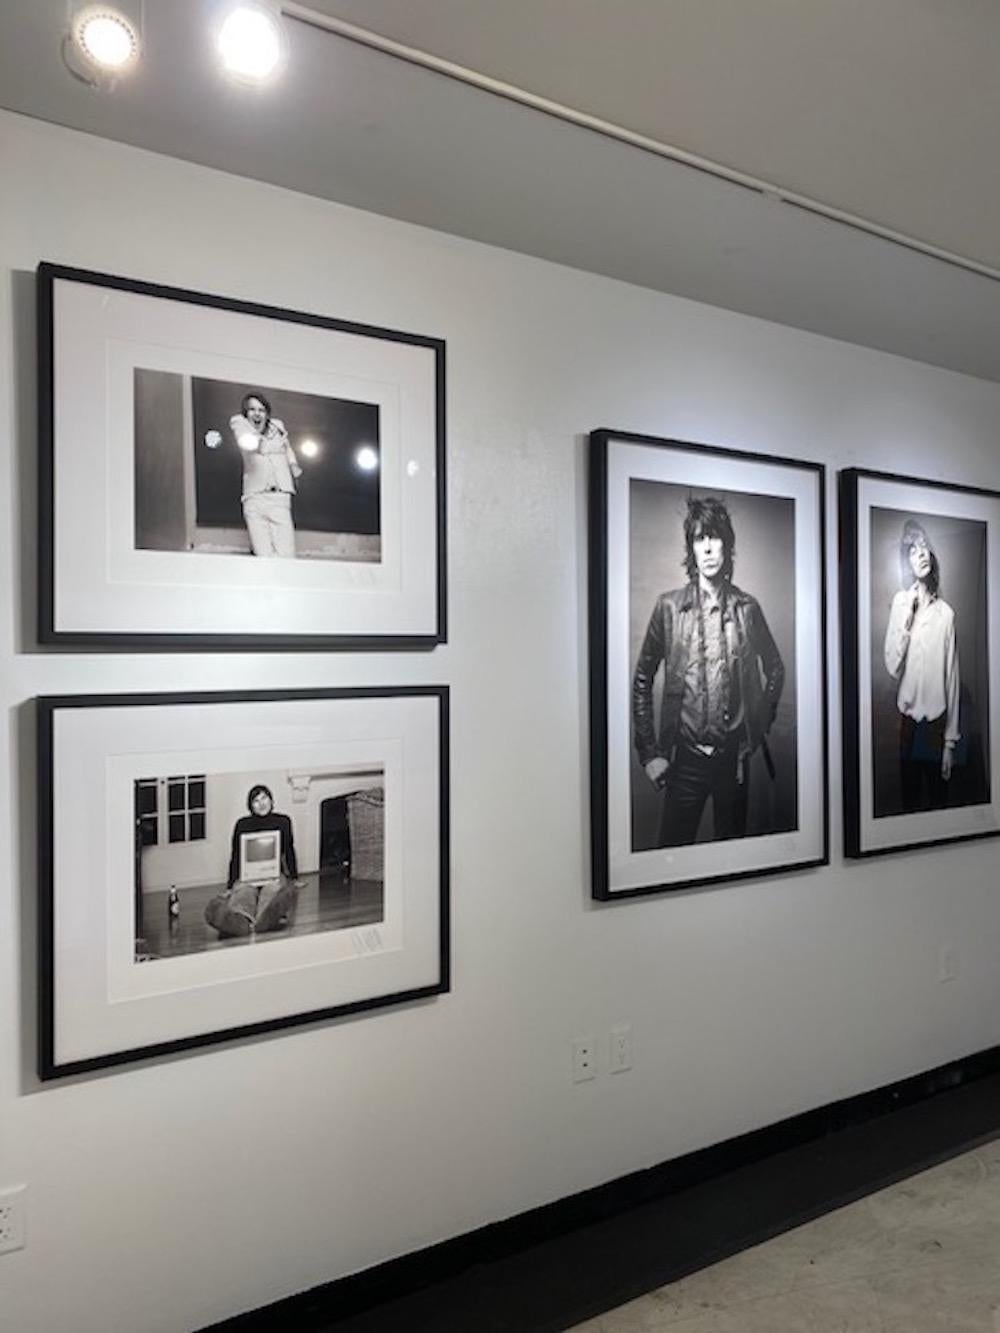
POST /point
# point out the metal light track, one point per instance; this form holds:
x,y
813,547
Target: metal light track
x,y
608,129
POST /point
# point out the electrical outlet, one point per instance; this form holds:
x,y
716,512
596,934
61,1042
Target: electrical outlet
x,y
584,1063
12,1218
621,1048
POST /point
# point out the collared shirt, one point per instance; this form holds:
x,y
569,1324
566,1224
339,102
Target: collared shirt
x,y
269,462
924,659
711,708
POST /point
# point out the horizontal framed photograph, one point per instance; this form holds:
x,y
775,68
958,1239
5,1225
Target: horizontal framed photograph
x,y
218,865
216,474
921,651
708,665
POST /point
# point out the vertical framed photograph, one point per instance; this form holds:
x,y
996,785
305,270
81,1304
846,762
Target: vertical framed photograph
x,y
217,474
218,865
708,665
920,627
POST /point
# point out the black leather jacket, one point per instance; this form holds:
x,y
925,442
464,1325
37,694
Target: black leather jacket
x,y
671,637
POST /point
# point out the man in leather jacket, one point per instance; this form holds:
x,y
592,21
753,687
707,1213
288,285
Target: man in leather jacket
x,y
722,679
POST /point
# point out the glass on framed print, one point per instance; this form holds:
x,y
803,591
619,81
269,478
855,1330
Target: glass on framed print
x,y
215,865
708,665
920,658
220,474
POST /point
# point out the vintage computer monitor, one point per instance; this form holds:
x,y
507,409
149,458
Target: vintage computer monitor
x,y
260,857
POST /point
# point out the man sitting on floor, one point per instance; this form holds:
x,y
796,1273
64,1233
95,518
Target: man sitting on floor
x,y
252,905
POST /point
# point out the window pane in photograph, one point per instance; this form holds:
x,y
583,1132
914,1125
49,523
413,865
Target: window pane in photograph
x,y
196,793
176,828
149,830
196,827
145,798
175,799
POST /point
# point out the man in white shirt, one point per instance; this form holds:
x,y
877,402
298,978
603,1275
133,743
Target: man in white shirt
x,y
921,652
269,471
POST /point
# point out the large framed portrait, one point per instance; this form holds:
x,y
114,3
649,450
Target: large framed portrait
x,y
921,651
708,665
222,864
217,474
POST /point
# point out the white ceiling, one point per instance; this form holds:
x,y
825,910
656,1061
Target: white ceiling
x,y
888,109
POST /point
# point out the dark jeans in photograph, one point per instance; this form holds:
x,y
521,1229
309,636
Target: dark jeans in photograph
x,y
692,778
921,745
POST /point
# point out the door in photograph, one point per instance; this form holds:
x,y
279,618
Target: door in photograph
x,y
335,838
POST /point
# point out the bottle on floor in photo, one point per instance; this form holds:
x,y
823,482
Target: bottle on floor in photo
x,y
173,906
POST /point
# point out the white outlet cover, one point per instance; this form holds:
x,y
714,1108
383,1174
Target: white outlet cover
x,y
12,1218
621,1048
584,1061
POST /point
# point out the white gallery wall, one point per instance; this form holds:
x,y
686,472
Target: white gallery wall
x,y
155,1202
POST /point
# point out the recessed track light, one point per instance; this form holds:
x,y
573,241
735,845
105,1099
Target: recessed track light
x,y
105,37
251,42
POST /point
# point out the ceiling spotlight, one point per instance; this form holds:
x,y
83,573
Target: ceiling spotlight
x,y
251,42
309,448
366,458
102,42
106,39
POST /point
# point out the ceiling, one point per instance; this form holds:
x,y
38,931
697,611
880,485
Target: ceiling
x,y
888,109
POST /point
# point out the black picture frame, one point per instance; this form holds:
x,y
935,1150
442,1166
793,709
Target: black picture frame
x,y
425,709
962,525
630,476
425,577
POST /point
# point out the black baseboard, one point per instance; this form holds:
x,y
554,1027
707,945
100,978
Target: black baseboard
x,y
751,1187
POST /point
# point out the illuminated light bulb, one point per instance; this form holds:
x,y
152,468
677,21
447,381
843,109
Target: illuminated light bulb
x,y
250,43
366,458
309,448
105,37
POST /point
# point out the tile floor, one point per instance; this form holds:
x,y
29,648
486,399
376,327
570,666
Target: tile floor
x,y
922,1256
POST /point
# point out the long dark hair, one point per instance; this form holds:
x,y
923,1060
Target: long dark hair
x,y
708,517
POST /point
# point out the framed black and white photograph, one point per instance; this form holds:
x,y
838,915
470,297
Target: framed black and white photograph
x,y
708,665
216,865
920,656
220,474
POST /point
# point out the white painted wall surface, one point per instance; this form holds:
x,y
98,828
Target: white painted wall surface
x,y
749,1003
